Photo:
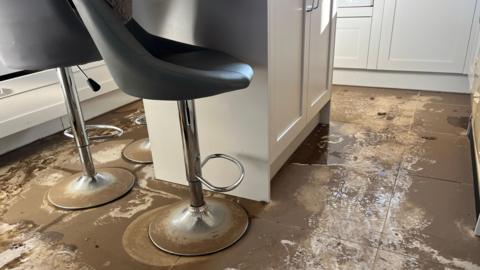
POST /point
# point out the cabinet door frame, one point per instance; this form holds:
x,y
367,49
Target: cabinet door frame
x,y
280,139
375,34
316,103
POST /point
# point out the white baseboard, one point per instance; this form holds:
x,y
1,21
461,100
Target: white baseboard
x,y
30,135
39,98
37,107
455,83
91,108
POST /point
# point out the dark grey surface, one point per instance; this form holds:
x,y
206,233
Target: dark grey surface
x,y
43,34
155,68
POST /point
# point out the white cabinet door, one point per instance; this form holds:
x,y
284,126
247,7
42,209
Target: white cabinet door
x,y
321,24
285,65
352,42
426,35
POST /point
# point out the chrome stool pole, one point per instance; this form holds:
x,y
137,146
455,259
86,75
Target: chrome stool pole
x,y
201,226
139,151
91,187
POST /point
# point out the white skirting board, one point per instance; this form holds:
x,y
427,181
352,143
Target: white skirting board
x,y
91,108
37,109
455,83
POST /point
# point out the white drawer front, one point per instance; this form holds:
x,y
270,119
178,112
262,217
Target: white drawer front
x,y
354,3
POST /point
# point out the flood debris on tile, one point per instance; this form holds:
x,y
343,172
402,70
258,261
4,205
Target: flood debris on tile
x,y
137,244
385,186
322,252
23,247
375,108
442,118
38,165
428,214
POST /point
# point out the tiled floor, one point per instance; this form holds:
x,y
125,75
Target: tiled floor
x,y
387,185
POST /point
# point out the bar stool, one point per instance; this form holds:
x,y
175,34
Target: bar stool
x,y
139,151
155,68
44,34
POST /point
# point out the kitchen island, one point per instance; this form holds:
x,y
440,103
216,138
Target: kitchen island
x,y
289,43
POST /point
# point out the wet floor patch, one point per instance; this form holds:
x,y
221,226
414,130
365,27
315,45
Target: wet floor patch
x,y
387,185
30,249
442,118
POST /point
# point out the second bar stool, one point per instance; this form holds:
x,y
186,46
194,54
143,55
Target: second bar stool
x,y
155,68
43,34
139,151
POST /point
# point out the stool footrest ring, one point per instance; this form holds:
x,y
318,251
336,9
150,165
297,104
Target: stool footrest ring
x,y
116,132
226,188
141,120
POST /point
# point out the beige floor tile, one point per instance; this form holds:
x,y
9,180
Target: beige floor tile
x,y
97,233
386,260
439,155
432,220
326,215
445,118
446,98
321,197
373,152
375,108
271,246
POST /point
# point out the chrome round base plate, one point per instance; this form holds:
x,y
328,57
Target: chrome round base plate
x,y
183,230
139,151
79,191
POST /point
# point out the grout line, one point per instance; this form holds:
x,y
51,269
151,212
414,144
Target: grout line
x,y
420,132
442,179
412,121
57,220
281,224
388,208
174,264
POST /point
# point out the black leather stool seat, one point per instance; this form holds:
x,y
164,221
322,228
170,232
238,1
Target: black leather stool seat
x,y
156,68
43,34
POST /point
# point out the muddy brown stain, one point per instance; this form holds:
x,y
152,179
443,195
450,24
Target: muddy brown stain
x,y
461,122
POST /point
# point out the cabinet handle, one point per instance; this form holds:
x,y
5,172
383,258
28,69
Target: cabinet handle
x,y
317,5
311,7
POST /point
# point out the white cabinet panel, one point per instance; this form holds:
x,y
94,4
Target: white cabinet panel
x,y
426,35
286,42
354,3
320,23
352,42
4,70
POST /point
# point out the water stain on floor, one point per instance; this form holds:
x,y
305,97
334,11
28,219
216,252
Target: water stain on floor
x,y
387,185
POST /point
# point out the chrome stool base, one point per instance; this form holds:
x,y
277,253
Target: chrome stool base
x,y
91,187
203,225
192,231
139,151
79,191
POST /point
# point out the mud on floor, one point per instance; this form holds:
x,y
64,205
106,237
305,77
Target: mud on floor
x,y
387,185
